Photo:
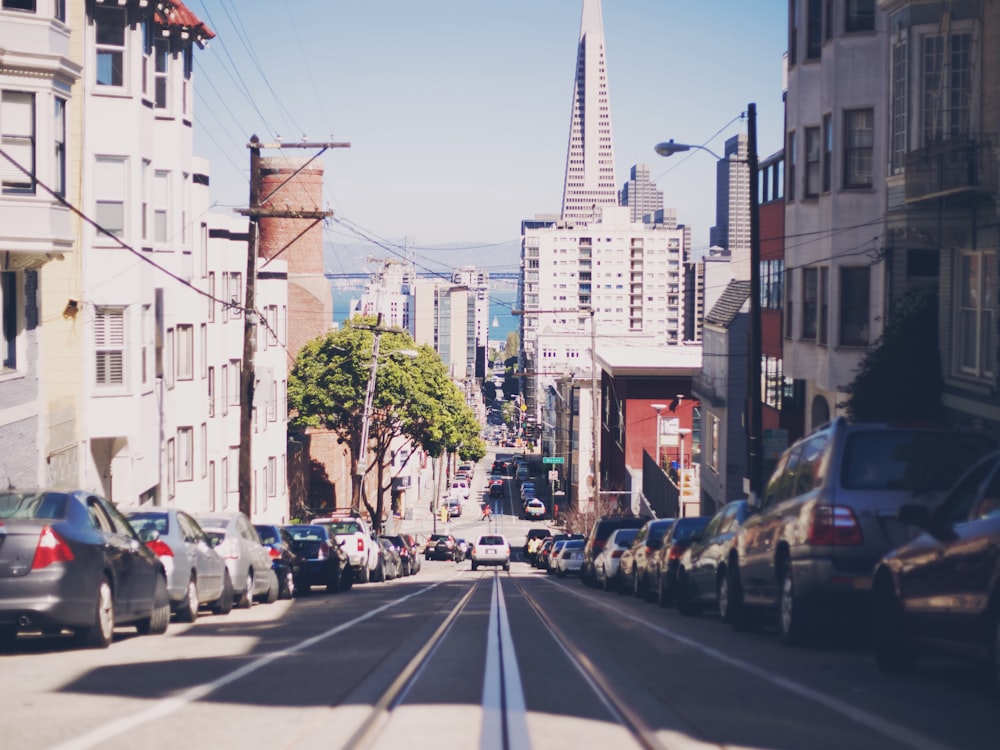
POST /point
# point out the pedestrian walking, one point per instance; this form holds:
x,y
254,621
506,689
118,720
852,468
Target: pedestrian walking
x,y
486,512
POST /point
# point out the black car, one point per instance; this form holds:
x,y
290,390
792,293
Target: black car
x,y
668,557
441,547
941,591
405,552
70,560
324,561
285,561
701,576
597,538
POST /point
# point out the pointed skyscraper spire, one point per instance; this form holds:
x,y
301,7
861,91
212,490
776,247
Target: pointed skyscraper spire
x,y
590,157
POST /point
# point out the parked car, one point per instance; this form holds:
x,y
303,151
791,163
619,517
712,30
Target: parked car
x,y
389,569
454,508
359,542
196,574
69,559
701,573
463,550
491,549
522,474
607,571
941,591
829,512
285,561
534,539
635,561
416,546
534,509
405,552
666,560
527,491
440,547
570,558
325,563
552,563
249,563
596,539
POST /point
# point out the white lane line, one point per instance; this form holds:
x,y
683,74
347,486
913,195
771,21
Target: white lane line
x,y
505,723
167,706
883,726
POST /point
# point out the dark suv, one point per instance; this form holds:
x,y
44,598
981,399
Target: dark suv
x,y
597,538
830,511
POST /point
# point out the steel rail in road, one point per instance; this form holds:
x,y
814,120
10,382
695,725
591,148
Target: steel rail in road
x,y
617,705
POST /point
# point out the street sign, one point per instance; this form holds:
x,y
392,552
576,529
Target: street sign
x,y
553,460
553,475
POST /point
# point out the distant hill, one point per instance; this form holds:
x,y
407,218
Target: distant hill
x,y
341,257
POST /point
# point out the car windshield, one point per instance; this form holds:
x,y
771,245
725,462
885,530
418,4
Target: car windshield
x,y
160,522
491,540
686,527
268,535
33,505
311,533
625,536
215,537
911,460
344,527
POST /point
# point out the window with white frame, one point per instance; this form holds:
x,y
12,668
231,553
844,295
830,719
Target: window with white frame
x,y
810,300
109,346
161,206
900,103
203,353
147,341
860,15
272,404
224,479
111,23
211,391
813,174
946,86
234,382
203,452
234,295
211,485
272,325
17,136
171,468
168,358
147,192
224,385
59,146
855,305
975,316
110,188
859,144
185,454
710,452
827,152
823,327
211,297
185,352
161,64
185,196
8,293
272,476
26,5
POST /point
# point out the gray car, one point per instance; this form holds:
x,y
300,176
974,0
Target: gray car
x,y
830,511
196,575
248,561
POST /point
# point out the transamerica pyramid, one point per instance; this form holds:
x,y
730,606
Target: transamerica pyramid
x,y
590,156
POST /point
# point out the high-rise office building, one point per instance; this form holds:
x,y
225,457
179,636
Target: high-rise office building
x,y
590,158
641,195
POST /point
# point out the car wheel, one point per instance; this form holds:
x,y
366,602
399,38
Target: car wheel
x,y
662,595
739,615
895,649
722,596
188,611
101,631
366,575
159,618
287,590
346,578
224,604
793,617
246,598
682,597
272,587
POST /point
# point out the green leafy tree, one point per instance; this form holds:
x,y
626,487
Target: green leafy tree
x,y
413,398
899,378
512,346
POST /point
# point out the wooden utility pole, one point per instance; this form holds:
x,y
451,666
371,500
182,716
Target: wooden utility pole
x,y
247,374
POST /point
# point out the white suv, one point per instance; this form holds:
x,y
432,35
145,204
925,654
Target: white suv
x,y
491,549
362,549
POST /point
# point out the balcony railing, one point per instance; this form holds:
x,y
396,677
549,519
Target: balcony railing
x,y
952,167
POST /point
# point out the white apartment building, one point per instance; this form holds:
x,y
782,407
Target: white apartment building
x,y
37,75
835,158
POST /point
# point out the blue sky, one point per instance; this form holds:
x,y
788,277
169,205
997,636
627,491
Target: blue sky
x,y
458,111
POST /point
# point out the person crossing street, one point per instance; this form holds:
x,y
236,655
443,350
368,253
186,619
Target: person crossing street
x,y
486,512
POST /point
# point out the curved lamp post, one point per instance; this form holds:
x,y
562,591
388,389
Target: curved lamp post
x,y
754,427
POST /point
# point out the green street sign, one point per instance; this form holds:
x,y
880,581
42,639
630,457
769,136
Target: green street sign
x,y
553,460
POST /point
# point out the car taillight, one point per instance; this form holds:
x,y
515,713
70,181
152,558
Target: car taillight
x,y
834,525
160,548
361,544
273,552
676,551
617,553
51,549
324,551
597,546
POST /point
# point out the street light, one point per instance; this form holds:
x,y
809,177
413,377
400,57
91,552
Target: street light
x,y
754,427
